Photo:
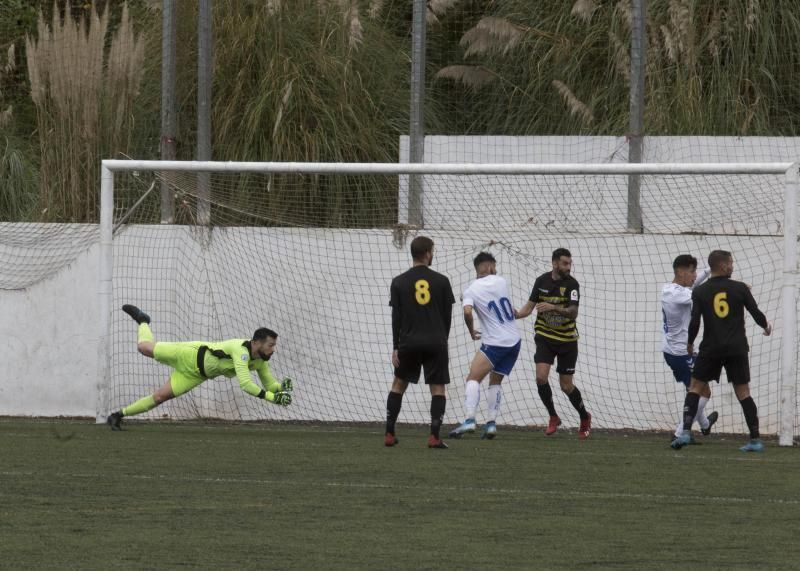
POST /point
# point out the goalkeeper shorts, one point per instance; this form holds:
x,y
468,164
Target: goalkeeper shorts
x,y
182,357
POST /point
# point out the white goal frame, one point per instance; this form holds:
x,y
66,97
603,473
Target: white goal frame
x,y
790,227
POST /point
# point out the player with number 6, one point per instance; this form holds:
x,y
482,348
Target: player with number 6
x,y
720,302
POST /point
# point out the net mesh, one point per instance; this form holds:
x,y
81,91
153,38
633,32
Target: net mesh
x,y
312,257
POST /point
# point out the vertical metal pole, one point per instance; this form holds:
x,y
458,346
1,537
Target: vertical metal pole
x,y
636,113
105,292
168,122
789,310
417,118
205,56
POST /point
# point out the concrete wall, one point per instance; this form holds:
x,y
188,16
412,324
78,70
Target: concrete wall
x,y
326,293
49,342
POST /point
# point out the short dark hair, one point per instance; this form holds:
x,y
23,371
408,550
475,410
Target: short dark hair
x,y
684,261
559,252
483,257
420,246
263,333
718,257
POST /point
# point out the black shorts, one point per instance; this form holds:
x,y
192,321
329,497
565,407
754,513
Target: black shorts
x,y
433,359
708,368
548,349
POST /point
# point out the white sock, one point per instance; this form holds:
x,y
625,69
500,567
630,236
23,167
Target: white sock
x,y
494,394
473,396
701,417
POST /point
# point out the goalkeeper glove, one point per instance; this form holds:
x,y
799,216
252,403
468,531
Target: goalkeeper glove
x,y
282,398
287,385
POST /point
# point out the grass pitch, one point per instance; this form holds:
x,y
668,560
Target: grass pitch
x,y
233,496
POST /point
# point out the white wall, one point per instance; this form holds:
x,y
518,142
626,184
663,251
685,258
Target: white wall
x,y
326,294
49,343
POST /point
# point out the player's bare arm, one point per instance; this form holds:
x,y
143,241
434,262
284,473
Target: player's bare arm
x,y
526,310
469,320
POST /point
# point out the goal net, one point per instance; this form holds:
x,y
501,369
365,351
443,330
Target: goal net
x,y
309,250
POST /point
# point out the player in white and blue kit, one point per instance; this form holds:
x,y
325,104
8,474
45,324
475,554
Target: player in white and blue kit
x,y
500,342
676,307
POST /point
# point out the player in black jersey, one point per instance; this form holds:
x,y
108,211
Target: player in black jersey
x,y
721,302
422,307
555,296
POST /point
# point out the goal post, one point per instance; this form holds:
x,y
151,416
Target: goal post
x,y
522,211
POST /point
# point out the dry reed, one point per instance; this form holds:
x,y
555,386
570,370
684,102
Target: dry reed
x,y
576,107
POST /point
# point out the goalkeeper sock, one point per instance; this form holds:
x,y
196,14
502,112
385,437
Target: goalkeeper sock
x,y
577,402
493,395
546,394
393,404
473,397
751,416
438,404
145,334
140,406
701,418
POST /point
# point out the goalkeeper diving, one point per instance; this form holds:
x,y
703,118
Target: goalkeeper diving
x,y
194,362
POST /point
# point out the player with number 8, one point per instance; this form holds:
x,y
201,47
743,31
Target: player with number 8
x,y
422,305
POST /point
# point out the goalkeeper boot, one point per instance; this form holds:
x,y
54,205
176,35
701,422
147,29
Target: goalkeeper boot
x,y
114,420
585,428
434,442
553,425
489,430
712,419
680,441
390,439
755,445
468,426
137,314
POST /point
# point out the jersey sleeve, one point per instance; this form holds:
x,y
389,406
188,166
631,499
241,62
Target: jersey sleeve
x,y
573,293
241,365
694,321
701,277
467,298
751,306
394,301
447,308
534,297
266,377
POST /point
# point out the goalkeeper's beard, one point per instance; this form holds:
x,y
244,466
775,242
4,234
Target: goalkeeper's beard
x,y
263,356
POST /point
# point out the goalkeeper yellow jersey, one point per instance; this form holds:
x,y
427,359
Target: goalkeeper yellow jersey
x,y
232,358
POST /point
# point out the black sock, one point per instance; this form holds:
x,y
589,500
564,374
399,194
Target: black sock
x,y
577,402
750,416
438,404
393,404
546,394
690,409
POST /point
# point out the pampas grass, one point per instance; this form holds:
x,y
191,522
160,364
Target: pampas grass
x,y
83,81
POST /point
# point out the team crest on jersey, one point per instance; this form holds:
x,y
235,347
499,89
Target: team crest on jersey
x,y
244,357
562,290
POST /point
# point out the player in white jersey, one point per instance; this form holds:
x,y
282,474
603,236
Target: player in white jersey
x,y
500,342
676,307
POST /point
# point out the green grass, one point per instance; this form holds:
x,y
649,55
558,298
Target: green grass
x,y
224,496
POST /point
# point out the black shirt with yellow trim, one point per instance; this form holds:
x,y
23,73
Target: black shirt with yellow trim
x,y
563,293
